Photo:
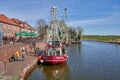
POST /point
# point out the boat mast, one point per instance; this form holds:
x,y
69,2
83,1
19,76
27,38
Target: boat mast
x,y
54,13
64,14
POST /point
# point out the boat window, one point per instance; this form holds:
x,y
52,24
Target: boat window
x,y
52,53
58,53
46,54
56,42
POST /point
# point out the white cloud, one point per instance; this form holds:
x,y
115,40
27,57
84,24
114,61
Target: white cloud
x,y
100,21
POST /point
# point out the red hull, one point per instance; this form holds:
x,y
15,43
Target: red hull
x,y
55,45
53,59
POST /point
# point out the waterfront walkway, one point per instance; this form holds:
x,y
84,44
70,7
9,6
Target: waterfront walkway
x,y
1,67
14,69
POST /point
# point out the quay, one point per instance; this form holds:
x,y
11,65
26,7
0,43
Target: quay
x,y
19,69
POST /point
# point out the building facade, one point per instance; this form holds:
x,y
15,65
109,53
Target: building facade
x,y
11,26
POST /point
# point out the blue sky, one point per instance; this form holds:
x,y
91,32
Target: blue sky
x,y
96,17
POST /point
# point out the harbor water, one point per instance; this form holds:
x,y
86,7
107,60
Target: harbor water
x,y
89,60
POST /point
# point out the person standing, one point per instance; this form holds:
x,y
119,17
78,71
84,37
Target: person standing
x,y
23,56
22,51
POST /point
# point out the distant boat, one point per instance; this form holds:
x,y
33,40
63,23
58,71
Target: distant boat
x,y
55,52
75,42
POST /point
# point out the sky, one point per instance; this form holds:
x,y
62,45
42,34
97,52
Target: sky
x,y
96,17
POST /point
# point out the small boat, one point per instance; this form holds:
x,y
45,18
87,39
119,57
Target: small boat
x,y
75,42
55,52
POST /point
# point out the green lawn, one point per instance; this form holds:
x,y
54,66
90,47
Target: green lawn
x,y
101,38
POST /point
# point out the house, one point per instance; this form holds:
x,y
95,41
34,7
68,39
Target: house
x,y
10,26
24,26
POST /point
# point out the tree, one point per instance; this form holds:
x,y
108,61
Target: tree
x,y
62,24
39,25
72,32
79,32
76,33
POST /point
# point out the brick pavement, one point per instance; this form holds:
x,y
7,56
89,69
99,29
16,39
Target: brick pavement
x,y
1,67
14,68
9,50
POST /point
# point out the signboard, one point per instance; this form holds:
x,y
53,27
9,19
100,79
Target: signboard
x,y
1,35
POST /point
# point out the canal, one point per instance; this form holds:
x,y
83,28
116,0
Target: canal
x,y
87,61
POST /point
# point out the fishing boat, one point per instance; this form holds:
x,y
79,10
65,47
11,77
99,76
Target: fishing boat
x,y
55,52
53,55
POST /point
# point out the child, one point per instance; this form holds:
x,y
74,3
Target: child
x,y
17,55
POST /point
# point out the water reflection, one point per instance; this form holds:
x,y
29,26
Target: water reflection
x,y
56,72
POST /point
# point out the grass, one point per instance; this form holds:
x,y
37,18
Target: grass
x,y
9,77
101,38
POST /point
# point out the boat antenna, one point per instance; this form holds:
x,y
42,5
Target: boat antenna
x,y
64,14
54,13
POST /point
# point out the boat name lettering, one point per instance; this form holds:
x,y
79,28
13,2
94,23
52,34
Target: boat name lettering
x,y
59,57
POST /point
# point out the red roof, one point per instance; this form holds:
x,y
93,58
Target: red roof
x,y
14,21
17,21
5,19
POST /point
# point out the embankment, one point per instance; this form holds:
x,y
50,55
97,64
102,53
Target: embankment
x,y
109,39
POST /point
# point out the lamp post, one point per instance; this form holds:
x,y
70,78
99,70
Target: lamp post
x,y
5,62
